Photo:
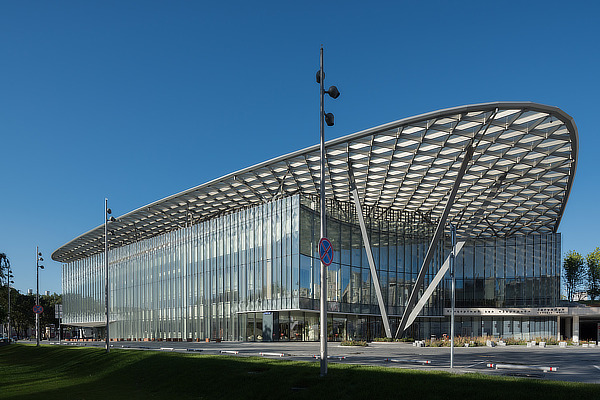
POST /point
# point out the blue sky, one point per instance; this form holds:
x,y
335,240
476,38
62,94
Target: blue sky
x,y
138,100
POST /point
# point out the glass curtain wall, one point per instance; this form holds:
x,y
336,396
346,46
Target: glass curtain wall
x,y
222,278
518,271
192,283
398,242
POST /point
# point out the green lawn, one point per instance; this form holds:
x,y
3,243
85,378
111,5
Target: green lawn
x,y
60,372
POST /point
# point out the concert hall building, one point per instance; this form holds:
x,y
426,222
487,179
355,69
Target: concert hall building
x,y
236,258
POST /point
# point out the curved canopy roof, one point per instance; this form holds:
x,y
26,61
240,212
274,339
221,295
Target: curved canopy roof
x,y
518,181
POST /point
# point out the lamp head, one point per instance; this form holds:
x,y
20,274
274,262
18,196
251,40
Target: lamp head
x,y
108,211
40,254
112,219
319,76
41,267
41,259
329,119
333,92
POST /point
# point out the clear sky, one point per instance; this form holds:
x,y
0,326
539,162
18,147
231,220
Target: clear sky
x,y
138,100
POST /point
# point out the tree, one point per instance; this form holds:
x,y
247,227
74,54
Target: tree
x,y
22,314
4,273
4,266
4,303
574,272
593,273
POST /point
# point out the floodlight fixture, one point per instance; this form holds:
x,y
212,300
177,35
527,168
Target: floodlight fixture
x,y
333,92
319,75
329,119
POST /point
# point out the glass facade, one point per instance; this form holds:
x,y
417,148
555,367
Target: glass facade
x,y
518,271
254,275
193,283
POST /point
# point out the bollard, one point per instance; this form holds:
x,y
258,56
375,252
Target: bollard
x,y
515,366
272,354
331,357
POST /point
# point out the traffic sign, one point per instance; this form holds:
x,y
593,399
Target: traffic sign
x,y
325,251
38,309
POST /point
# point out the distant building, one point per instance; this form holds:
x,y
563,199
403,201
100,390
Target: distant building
x,y
236,258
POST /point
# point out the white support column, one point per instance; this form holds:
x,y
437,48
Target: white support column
x,y
365,236
412,300
429,291
576,328
558,328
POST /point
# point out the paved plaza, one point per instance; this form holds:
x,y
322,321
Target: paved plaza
x,y
574,363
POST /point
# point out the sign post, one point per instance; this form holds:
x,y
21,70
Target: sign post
x,y
326,256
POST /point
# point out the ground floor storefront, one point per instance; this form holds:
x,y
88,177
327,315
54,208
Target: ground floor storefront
x,y
559,323
304,326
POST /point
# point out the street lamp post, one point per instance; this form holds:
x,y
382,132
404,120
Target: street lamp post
x,y
38,258
453,297
324,118
107,219
8,282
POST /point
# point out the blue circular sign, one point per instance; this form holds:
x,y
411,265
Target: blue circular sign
x,y
325,251
38,309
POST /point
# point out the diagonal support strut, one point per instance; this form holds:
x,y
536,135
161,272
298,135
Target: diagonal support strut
x,y
365,236
434,241
432,285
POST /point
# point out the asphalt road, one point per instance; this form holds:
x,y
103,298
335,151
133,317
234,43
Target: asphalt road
x,y
574,363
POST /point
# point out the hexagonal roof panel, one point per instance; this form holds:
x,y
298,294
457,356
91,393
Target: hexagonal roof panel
x,y
518,182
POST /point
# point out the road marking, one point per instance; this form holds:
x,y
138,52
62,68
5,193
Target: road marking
x,y
476,364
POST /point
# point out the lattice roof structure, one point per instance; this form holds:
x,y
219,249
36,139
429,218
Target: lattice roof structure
x,y
518,181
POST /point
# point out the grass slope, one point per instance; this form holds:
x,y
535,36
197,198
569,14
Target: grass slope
x,y
58,372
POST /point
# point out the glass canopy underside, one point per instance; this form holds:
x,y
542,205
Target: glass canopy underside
x,y
525,157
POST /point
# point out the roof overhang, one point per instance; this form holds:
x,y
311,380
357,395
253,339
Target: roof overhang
x,y
518,182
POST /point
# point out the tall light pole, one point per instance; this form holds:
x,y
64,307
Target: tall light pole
x,y
107,219
453,297
8,282
325,118
5,265
38,258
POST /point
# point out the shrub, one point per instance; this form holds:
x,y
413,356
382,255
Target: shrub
x,y
383,339
352,342
513,341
